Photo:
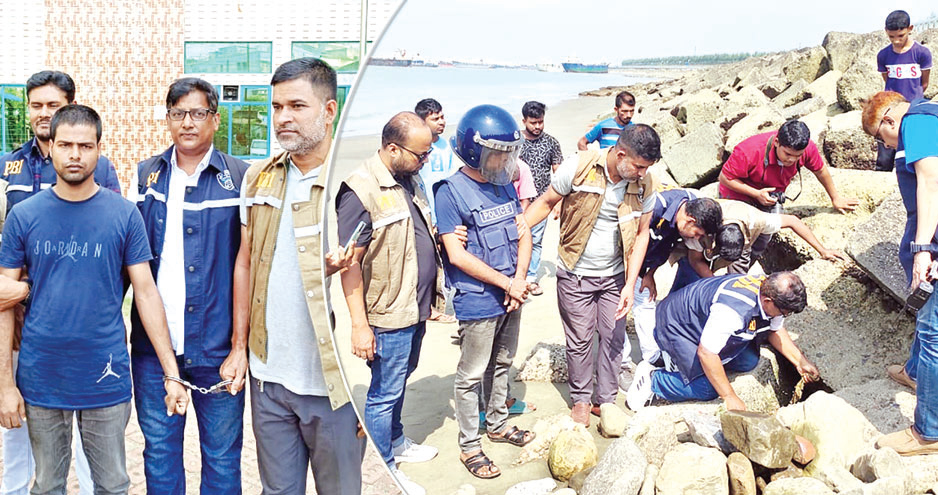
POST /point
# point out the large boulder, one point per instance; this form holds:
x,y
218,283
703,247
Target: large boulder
x,y
874,246
750,77
612,420
761,388
655,439
824,87
571,452
533,487
924,471
806,64
843,49
705,429
761,437
838,478
803,108
742,479
668,128
875,464
547,362
690,468
764,119
651,477
793,94
747,97
700,108
620,471
859,82
697,157
846,145
546,431
817,122
774,87
840,432
797,486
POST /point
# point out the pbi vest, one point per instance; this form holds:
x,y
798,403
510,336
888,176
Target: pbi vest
x,y
580,208
662,235
682,315
905,175
389,266
492,232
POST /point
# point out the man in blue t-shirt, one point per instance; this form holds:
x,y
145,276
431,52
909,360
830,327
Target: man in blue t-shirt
x,y
488,273
905,66
74,239
607,131
912,130
440,163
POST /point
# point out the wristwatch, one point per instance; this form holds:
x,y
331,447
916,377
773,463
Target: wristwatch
x,y
918,248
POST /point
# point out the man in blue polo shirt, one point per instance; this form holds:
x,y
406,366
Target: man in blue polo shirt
x,y
607,131
911,128
189,197
76,240
713,326
679,215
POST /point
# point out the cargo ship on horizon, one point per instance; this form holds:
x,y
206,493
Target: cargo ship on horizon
x,y
589,68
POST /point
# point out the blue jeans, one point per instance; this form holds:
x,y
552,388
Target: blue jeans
x,y
396,355
670,386
537,237
922,367
684,276
220,421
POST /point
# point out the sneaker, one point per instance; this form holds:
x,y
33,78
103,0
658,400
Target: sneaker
x,y
410,487
410,451
897,373
626,375
640,393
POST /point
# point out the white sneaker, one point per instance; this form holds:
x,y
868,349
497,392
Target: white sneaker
x,y
410,451
639,393
409,486
626,376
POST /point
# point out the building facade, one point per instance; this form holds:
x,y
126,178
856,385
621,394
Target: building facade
x,y
123,55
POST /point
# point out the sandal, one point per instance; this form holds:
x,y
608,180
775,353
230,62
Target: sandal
x,y
442,318
477,462
514,436
534,289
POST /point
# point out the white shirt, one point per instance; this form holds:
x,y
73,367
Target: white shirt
x,y
171,276
723,322
602,256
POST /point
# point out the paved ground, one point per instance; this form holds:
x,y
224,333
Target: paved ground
x,y
376,479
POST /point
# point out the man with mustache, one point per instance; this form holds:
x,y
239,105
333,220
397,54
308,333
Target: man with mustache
x,y
300,407
188,196
26,171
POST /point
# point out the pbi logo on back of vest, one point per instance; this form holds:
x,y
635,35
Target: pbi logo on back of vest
x,y
13,167
152,178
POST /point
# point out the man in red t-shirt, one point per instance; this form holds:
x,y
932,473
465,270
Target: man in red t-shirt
x,y
765,164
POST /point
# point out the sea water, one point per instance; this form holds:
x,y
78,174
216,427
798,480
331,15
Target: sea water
x,y
384,91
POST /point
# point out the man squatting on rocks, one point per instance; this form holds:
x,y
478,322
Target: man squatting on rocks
x,y
488,273
911,128
608,201
391,287
92,234
46,92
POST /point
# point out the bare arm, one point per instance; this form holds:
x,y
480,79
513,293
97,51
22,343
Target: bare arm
x,y
12,408
698,263
235,366
782,342
738,186
926,75
636,257
713,369
542,206
926,175
353,286
12,292
524,204
885,76
842,205
794,223
153,317
525,243
582,144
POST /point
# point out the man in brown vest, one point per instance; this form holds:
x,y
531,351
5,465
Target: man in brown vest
x,y
397,279
300,407
608,200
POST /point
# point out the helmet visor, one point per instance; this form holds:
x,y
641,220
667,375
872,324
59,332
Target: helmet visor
x,y
499,167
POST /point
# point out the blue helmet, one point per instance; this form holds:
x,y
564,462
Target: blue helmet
x,y
488,140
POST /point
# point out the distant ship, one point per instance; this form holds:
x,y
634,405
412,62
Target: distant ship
x,y
400,59
549,68
591,68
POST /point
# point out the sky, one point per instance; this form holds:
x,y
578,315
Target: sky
x,y
553,31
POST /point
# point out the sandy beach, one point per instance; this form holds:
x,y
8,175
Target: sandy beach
x,y
428,415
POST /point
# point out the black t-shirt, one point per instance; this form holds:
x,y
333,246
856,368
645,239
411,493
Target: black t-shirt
x,y
350,211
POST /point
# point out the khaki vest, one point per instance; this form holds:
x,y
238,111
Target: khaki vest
x,y
264,190
389,267
580,208
750,219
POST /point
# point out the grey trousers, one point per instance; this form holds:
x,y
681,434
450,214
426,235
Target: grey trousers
x,y
295,432
588,306
102,434
750,255
482,341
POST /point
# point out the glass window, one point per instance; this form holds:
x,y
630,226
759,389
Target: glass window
x,y
221,136
341,94
341,55
239,57
256,94
14,124
244,127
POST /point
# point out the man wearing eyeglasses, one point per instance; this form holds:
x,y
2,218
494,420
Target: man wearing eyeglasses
x,y
716,325
189,198
398,277
761,167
